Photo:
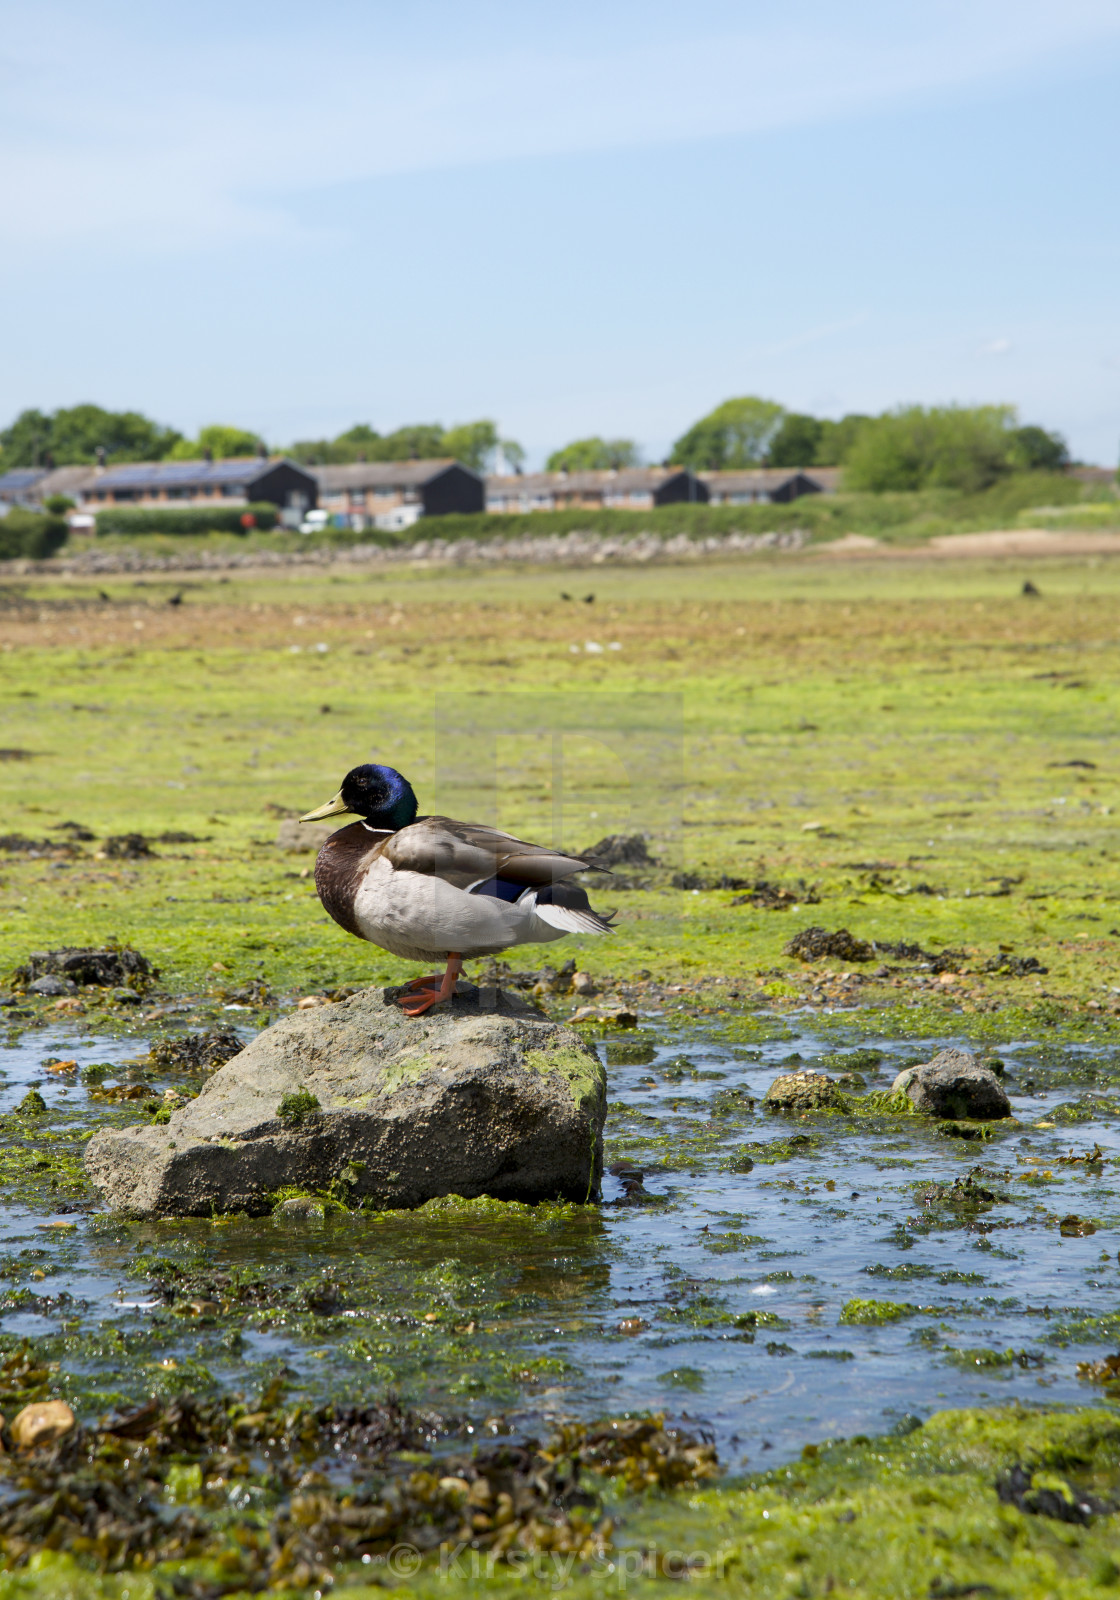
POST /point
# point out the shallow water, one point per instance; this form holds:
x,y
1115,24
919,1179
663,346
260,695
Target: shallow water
x,y
508,1311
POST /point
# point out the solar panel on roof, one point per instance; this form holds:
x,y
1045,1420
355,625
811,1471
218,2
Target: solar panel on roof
x,y
182,474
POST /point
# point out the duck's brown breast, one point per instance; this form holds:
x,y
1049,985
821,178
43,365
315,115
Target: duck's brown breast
x,y
339,868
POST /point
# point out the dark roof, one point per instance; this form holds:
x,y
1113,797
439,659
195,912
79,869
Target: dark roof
x,y
20,479
382,474
627,480
764,480
67,480
189,474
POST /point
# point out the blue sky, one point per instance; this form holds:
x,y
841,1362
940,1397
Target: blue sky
x,y
573,218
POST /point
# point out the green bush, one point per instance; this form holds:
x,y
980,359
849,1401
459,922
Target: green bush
x,y
185,519
940,447
34,534
910,517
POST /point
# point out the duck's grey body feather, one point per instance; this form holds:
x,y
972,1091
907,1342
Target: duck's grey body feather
x,y
415,892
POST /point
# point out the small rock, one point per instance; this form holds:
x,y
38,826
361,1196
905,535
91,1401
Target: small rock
x,y
1075,1227
621,850
127,847
195,1052
51,986
954,1084
803,1091
583,983
302,1205
42,1423
32,1105
811,944
104,968
126,997
292,835
607,1016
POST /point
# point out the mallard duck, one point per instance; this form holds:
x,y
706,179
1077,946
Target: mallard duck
x,y
432,889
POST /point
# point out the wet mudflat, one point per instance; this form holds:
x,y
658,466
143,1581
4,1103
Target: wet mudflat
x,y
924,764
772,1279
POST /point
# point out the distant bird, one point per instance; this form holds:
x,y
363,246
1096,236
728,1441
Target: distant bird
x,y
431,889
589,599
174,599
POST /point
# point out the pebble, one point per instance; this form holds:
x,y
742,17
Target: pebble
x,y
50,985
618,1017
301,1206
42,1423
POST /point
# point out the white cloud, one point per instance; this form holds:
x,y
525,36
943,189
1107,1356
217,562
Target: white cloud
x,y
159,130
996,347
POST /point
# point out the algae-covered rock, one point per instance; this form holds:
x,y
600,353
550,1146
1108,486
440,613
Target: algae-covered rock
x,y
954,1084
804,1091
359,1099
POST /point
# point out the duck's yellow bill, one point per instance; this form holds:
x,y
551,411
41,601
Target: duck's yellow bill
x,y
332,809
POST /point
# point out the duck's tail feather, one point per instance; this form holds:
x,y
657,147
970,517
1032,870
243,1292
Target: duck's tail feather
x,y
566,906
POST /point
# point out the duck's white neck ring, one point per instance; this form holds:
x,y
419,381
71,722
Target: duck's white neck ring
x,y
370,829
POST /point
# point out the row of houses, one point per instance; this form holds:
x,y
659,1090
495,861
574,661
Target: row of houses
x,y
392,494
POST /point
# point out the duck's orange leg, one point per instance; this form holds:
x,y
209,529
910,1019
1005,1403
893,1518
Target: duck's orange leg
x,y
414,1005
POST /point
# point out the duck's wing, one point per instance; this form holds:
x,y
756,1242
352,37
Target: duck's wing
x,y
468,854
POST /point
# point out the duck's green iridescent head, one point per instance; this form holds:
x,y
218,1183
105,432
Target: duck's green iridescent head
x,y
378,794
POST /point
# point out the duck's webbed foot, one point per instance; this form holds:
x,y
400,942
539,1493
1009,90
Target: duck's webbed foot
x,y
423,993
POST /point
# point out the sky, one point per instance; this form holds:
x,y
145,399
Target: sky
x,y
573,218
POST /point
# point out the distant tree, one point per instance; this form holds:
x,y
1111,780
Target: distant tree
x,y
940,447
222,441
1040,451
72,436
417,441
361,436
77,433
837,439
594,455
27,441
736,434
475,444
796,442
512,454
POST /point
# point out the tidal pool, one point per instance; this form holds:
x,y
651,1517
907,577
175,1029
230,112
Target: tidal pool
x,y
784,1279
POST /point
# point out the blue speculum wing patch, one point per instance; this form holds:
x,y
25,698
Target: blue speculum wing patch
x,y
500,889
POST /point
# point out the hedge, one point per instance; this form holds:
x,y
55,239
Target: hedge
x,y
31,533
129,520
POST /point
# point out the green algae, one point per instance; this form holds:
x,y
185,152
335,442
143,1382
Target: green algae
x,y
876,1313
978,671
580,1071
296,1107
975,715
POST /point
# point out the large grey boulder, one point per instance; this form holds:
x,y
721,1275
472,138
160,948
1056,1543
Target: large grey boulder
x,y
480,1096
954,1084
